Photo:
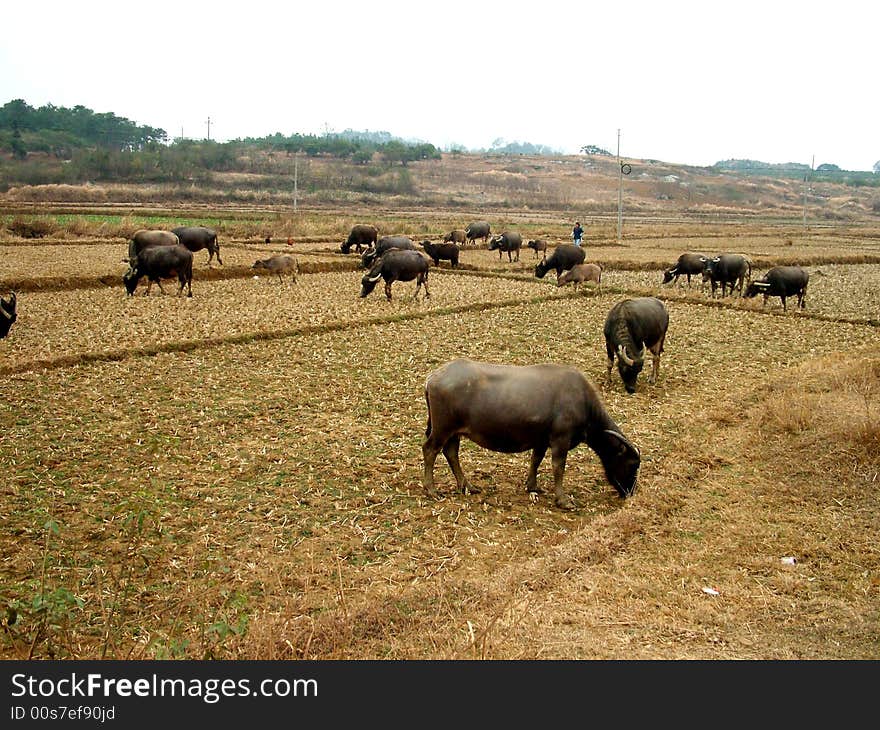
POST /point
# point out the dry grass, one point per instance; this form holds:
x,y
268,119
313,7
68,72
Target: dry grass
x,y
238,475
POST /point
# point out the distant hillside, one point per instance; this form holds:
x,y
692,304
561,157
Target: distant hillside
x,y
796,170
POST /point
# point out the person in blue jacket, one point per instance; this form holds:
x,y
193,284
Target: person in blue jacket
x,y
577,233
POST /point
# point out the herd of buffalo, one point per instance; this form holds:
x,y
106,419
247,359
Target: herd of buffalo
x,y
503,408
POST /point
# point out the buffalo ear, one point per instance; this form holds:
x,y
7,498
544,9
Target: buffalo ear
x,y
621,444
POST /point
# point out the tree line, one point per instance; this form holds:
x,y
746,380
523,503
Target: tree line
x,y
106,147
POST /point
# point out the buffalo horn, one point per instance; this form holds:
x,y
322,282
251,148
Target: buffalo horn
x,y
3,309
623,439
373,279
761,284
621,352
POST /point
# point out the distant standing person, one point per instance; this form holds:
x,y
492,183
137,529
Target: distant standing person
x,y
577,233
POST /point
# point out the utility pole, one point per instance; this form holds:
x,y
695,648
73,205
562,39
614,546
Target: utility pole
x,y
295,177
805,190
619,192
209,129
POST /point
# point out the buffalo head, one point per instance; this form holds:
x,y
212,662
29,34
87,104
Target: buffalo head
x,y
629,367
130,279
621,460
756,287
7,314
371,278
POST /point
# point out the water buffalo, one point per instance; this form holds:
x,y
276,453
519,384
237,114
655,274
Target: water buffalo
x,y
688,264
511,409
631,327
361,236
457,236
442,251
782,282
161,262
7,314
579,274
564,257
731,269
145,239
479,229
385,243
508,241
538,245
195,238
278,265
397,265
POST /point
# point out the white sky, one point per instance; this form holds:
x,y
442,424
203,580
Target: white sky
x,y
685,82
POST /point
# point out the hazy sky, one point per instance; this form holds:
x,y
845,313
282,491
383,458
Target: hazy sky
x,y
685,82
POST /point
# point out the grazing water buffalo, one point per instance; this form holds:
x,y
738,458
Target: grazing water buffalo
x,y
511,409
731,269
456,236
278,265
397,265
579,274
361,236
538,245
161,262
384,244
442,251
631,327
688,264
145,239
195,238
479,229
508,241
782,282
7,314
566,256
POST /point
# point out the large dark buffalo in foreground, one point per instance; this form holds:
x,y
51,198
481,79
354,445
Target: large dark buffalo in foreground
x,y
509,242
386,243
564,257
631,327
144,238
161,262
479,229
688,264
362,236
511,409
196,238
782,282
397,265
7,314
729,269
442,252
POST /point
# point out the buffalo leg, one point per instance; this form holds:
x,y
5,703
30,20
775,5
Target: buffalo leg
x,y
429,456
784,308
159,283
450,451
559,453
388,290
656,351
532,479
802,295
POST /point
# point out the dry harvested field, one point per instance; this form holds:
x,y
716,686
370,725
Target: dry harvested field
x,y
238,475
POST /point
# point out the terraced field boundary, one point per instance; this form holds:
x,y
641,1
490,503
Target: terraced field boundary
x,y
62,283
